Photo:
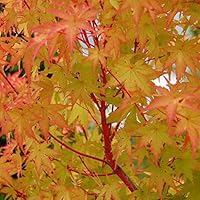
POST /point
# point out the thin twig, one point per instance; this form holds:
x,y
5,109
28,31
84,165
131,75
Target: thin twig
x,y
115,130
75,151
87,109
93,174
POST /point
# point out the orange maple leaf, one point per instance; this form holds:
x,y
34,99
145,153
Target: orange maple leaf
x,y
141,6
171,100
183,54
189,123
71,21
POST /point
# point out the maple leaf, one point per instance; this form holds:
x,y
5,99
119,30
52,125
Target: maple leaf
x,y
74,18
112,40
47,114
171,100
47,89
43,35
159,176
141,6
155,135
22,124
189,123
108,192
5,49
79,112
133,75
182,53
123,144
40,155
6,171
143,193
185,159
121,112
56,45
82,84
68,193
19,83
192,187
4,121
97,56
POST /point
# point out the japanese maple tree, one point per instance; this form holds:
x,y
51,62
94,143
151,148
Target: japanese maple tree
x,y
84,113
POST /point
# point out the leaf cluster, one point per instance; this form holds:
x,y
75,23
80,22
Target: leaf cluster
x,y
84,112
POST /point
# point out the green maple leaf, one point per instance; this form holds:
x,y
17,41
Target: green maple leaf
x,y
144,193
108,192
135,76
155,135
184,165
40,156
160,175
192,189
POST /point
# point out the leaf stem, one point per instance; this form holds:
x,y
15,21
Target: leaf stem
x,y
93,174
75,151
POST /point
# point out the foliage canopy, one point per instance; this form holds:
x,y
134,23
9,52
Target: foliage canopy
x,y
82,112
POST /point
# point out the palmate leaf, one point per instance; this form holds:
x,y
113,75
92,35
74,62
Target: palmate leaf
x,y
143,193
80,91
6,170
122,144
97,56
155,135
47,114
192,189
140,6
173,99
183,55
108,192
65,193
189,123
47,90
23,125
124,108
135,76
115,40
159,177
185,165
79,113
74,18
40,156
83,83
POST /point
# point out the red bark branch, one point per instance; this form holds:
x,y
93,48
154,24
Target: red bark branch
x,y
106,131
